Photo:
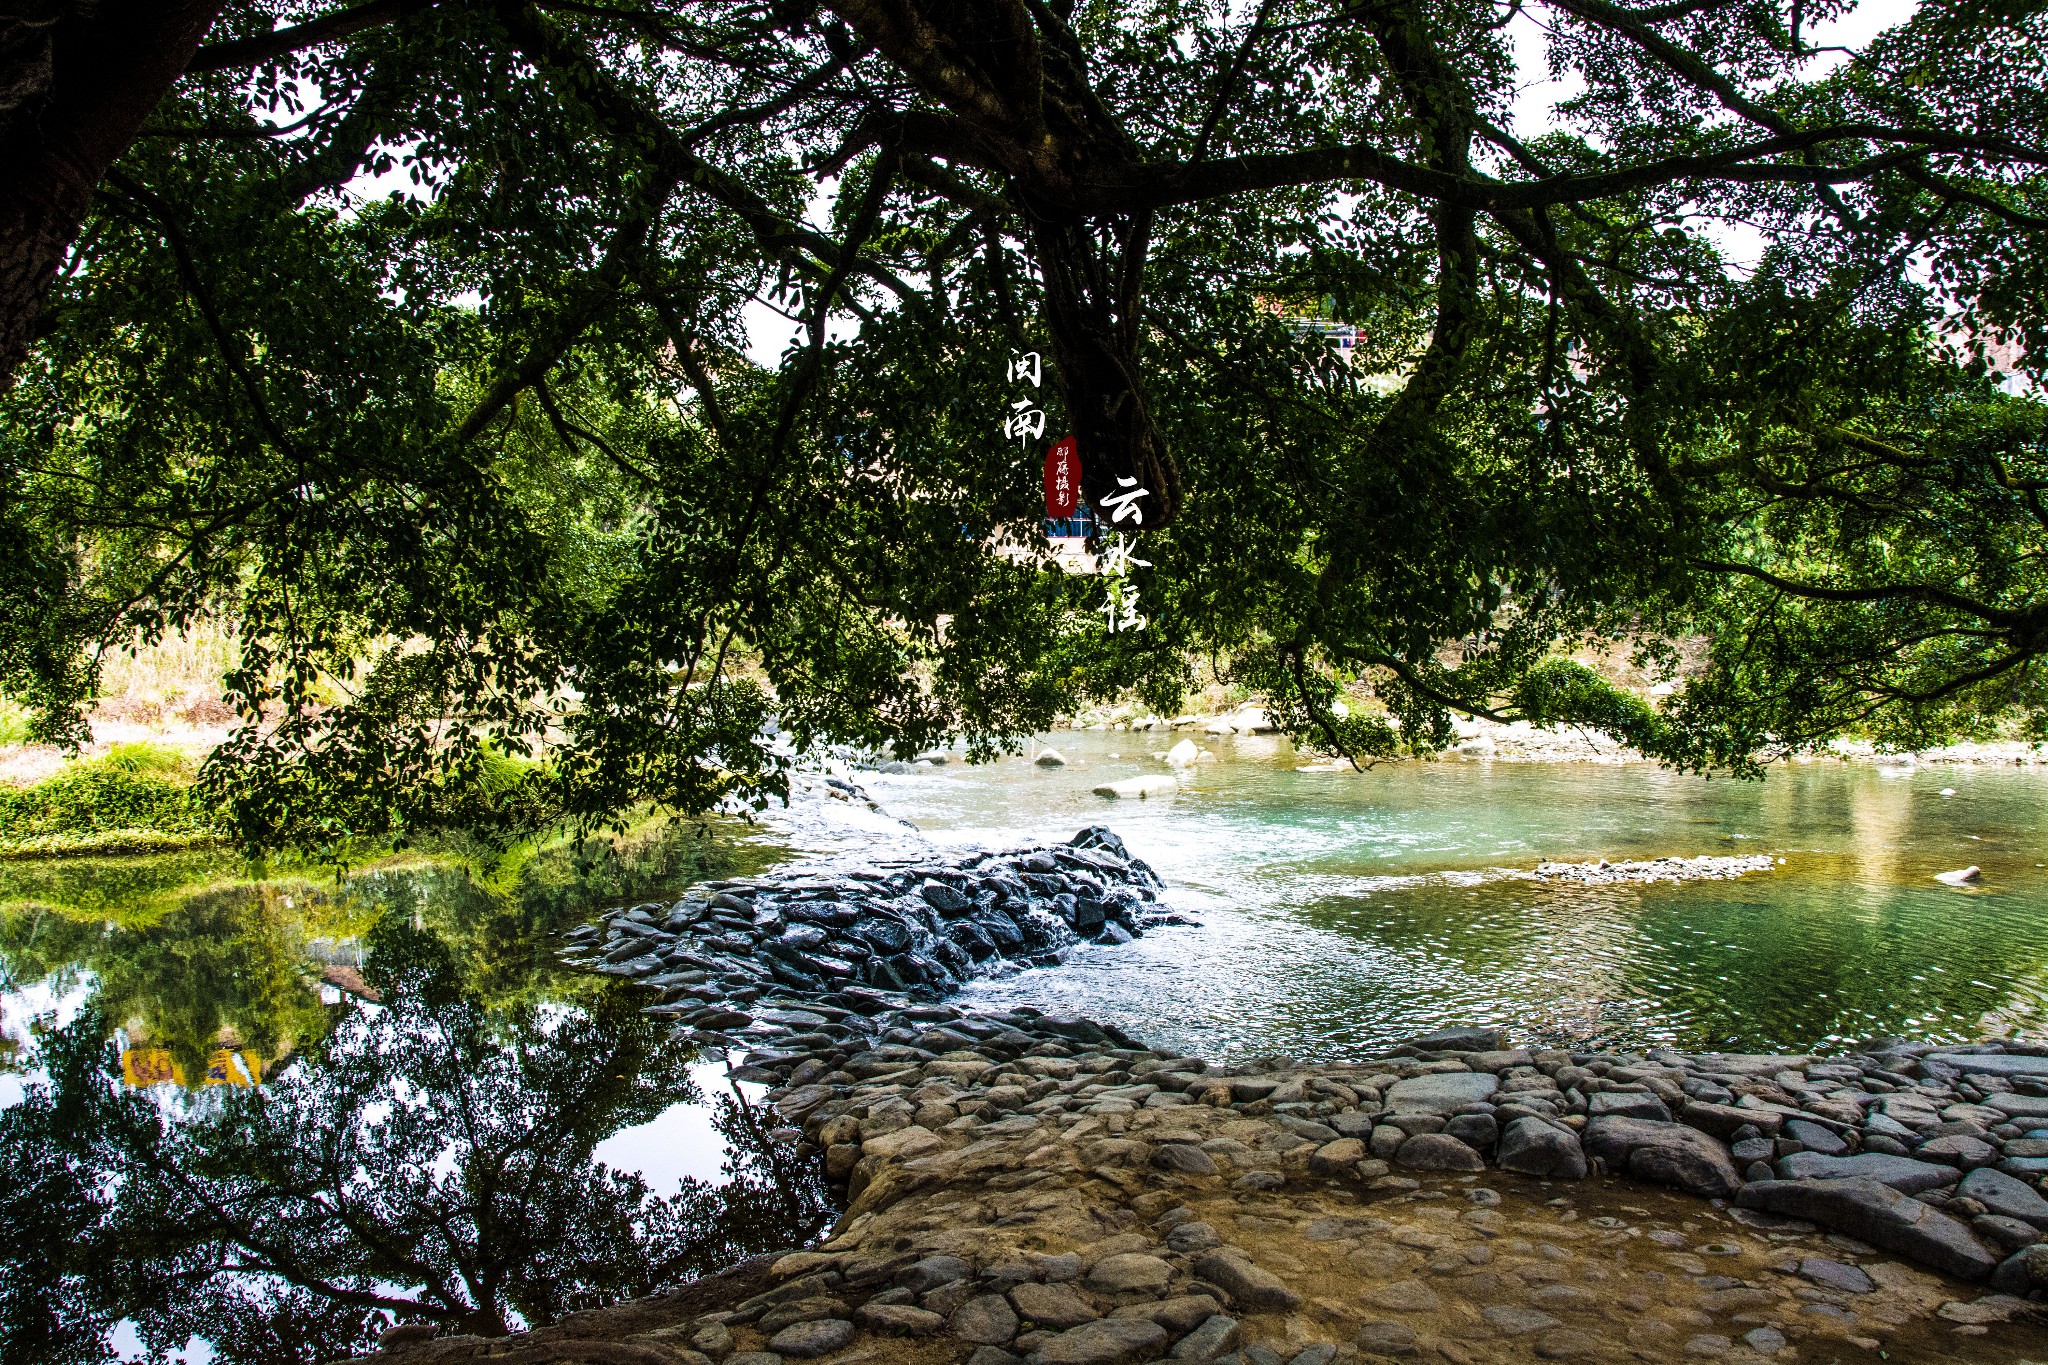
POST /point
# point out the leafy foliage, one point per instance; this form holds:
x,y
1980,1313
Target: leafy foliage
x,y
482,464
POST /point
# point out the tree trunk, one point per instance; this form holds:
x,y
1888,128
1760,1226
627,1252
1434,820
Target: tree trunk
x,y
77,79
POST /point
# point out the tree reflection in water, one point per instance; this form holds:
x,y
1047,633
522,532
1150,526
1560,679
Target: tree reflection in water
x,y
430,1160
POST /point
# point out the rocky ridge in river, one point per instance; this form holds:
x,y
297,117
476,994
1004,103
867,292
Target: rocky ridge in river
x,y
854,941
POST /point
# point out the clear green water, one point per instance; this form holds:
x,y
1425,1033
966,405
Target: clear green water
x,y
1340,908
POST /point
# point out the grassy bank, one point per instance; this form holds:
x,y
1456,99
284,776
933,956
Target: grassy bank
x,y
136,798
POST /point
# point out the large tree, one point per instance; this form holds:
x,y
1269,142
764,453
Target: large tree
x,y
1706,360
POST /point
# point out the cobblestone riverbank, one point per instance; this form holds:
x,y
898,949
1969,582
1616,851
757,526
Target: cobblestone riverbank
x,y
1022,1189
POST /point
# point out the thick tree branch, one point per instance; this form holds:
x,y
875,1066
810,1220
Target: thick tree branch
x,y
1160,185
1889,592
107,70
327,28
597,290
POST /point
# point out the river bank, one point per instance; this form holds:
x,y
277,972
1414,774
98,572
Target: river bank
x,y
1024,1186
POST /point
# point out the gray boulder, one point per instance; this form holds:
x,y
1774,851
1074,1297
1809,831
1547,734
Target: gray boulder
x,y
985,1320
1667,1153
1438,1152
1627,1104
1815,1138
1877,1214
1722,1120
807,1339
1104,1342
1440,1093
1184,1157
1248,1285
1992,1064
1903,1174
1216,1336
932,1272
2005,1196
1458,1040
2022,1271
1533,1147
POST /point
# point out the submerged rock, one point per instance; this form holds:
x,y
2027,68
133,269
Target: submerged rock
x,y
1138,788
1879,1215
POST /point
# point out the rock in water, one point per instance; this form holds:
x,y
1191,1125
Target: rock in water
x,y
1962,876
807,1339
1103,1342
1533,1147
1438,1152
1668,1153
1903,1174
1137,788
1183,754
1441,1093
1249,1285
1051,758
1458,1039
2005,1196
1879,1215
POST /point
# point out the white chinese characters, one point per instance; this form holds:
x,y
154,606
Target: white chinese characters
x,y
1124,505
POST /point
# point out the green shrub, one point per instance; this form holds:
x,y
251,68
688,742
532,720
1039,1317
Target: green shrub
x,y
134,788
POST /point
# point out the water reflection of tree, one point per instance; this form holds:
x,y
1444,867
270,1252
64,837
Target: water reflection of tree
x,y
431,1160
221,960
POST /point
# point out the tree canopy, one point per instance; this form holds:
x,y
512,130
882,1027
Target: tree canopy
x,y
1737,356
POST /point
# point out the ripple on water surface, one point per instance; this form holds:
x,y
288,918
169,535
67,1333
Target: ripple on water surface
x,y
1343,909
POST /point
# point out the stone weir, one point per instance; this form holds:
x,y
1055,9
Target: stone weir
x,y
1021,1189
856,944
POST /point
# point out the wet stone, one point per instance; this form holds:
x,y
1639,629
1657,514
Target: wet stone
x,y
1396,1339
986,1319
1215,1336
807,1339
1130,1273
1104,1342
1516,1322
1834,1275
1052,1305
